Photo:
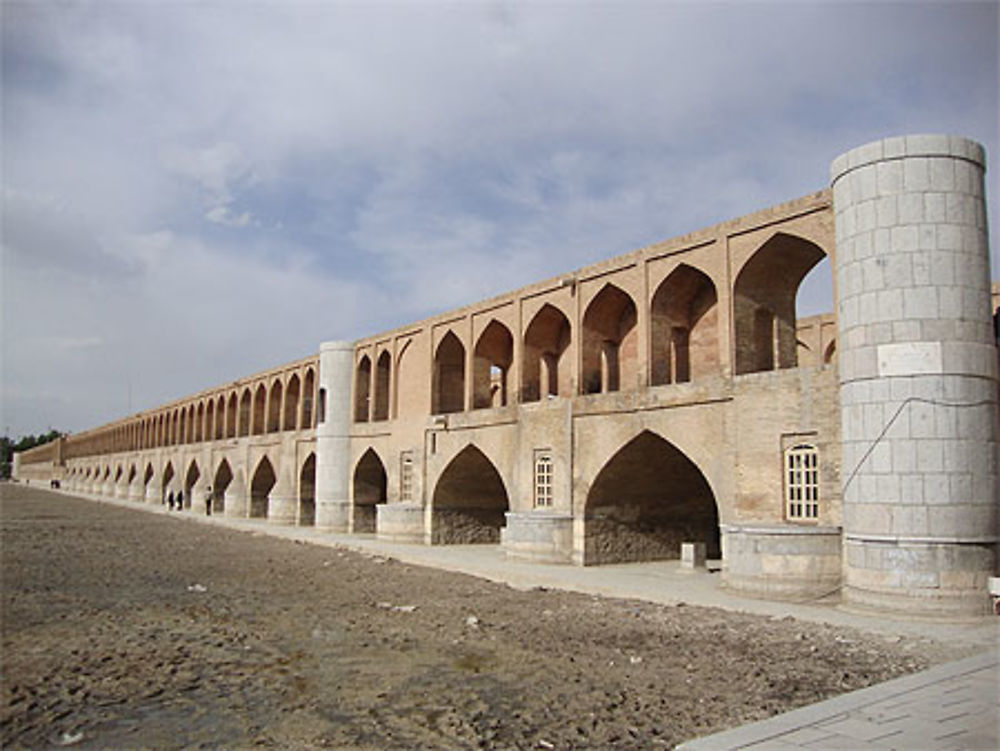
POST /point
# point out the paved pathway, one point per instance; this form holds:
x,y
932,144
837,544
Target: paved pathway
x,y
952,706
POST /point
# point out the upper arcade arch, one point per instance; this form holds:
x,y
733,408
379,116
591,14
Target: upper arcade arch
x,y
448,383
491,363
610,342
764,302
684,327
546,371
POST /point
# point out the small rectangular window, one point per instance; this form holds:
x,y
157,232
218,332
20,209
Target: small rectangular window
x,y
543,478
406,476
321,407
802,483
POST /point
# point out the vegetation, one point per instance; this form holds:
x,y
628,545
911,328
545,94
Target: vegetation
x,y
8,447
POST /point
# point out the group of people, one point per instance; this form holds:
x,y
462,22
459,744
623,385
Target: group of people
x,y
178,501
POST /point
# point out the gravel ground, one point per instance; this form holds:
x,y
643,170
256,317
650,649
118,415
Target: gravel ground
x,y
128,630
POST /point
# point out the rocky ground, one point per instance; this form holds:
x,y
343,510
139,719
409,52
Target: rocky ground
x,y
127,630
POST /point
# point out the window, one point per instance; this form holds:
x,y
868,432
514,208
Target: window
x,y
406,476
802,482
543,478
321,407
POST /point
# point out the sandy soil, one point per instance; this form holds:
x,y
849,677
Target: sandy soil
x,y
126,630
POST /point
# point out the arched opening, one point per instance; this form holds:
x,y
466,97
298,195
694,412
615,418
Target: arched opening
x,y
231,412
182,430
132,472
210,426
118,475
369,490
292,403
260,488
545,370
449,376
469,501
166,482
491,361
308,392
259,409
193,474
274,408
223,476
647,500
685,327
610,343
764,317
146,477
244,413
362,384
382,380
307,492
199,425
192,426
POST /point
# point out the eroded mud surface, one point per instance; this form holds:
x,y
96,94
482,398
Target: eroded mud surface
x,y
128,630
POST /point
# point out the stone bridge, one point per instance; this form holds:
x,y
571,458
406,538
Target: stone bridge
x,y
665,396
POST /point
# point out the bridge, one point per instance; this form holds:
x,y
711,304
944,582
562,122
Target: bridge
x,y
663,398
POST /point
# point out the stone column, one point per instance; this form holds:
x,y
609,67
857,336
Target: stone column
x,y
282,504
918,376
333,444
237,496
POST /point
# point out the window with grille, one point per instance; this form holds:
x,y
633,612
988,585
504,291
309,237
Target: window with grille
x,y
406,476
543,479
802,482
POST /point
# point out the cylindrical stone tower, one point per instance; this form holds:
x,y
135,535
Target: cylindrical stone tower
x,y
918,376
333,444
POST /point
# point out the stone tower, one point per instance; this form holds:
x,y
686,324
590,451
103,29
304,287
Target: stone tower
x,y
333,443
918,375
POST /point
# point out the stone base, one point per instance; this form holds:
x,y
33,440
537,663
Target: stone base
x,y
399,522
538,537
930,579
281,511
782,561
333,516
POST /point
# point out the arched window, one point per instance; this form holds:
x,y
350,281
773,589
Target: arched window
x,y
382,380
545,367
491,365
610,347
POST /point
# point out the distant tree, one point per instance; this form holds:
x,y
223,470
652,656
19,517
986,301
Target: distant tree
x,y
8,447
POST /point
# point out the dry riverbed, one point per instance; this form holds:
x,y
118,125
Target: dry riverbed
x,y
128,630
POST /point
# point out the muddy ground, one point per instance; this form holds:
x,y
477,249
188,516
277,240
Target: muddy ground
x,y
126,630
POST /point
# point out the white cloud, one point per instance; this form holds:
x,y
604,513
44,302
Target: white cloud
x,y
215,188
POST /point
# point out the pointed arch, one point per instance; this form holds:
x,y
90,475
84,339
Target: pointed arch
x,y
307,492
259,410
166,482
246,401
830,353
369,489
190,480
545,367
684,321
232,410
147,475
263,481
220,481
292,392
362,386
469,501
491,360
308,395
210,426
646,500
764,319
610,342
274,407
449,376
383,379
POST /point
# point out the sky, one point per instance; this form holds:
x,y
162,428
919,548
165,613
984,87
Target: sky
x,y
197,191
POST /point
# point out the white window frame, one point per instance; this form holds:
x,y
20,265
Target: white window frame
x,y
406,476
802,483
542,471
